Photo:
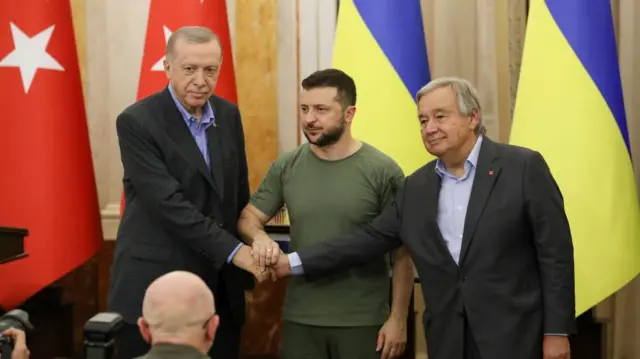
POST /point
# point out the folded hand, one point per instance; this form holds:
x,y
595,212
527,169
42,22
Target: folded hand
x,y
243,259
282,268
265,251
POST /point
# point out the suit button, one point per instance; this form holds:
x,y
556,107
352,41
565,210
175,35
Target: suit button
x,y
462,280
220,225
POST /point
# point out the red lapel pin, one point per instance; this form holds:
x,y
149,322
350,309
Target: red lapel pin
x,y
490,173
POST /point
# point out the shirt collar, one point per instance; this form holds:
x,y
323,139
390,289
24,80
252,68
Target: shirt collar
x,y
207,110
175,350
472,159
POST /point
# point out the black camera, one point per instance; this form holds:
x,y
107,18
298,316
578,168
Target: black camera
x,y
18,319
99,335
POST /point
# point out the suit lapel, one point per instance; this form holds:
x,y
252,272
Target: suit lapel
x,y
215,143
486,174
177,129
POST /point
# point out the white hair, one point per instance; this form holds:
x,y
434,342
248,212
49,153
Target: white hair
x,y
465,95
192,35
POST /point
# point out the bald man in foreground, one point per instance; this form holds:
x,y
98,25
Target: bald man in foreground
x,y
178,317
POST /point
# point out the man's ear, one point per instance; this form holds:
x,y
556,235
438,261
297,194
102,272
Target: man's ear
x,y
212,327
349,113
167,67
474,119
144,330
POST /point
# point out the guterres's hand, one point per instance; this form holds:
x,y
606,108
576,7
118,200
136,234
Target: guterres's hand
x,y
282,268
556,347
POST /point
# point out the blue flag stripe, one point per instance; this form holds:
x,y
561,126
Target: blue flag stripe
x,y
399,32
588,28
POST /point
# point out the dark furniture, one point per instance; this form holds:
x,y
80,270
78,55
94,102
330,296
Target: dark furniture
x,y
12,244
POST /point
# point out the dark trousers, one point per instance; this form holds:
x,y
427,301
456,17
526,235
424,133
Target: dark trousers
x,y
471,350
300,341
130,344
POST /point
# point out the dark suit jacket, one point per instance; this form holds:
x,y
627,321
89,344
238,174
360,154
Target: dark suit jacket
x,y
179,215
173,351
515,280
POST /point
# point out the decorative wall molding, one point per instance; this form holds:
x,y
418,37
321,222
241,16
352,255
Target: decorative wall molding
x,y
317,24
288,76
110,216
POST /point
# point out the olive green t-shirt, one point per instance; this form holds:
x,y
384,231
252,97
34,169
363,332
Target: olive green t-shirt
x,y
323,199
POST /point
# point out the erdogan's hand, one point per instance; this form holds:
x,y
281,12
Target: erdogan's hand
x,y
282,268
244,260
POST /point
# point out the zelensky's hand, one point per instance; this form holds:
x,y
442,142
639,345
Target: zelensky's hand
x,y
244,260
265,251
282,268
392,338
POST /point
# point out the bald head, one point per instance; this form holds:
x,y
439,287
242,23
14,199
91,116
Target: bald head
x,y
177,304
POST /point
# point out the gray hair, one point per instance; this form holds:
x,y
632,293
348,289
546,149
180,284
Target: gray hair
x,y
192,35
466,97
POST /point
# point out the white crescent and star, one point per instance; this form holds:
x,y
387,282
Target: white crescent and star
x,y
30,54
159,66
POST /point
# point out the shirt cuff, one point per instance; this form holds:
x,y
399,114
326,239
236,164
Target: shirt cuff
x,y
295,263
233,254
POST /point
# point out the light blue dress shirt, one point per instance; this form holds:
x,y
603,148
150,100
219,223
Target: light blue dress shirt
x,y
454,199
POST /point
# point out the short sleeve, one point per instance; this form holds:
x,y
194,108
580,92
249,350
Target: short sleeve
x,y
269,196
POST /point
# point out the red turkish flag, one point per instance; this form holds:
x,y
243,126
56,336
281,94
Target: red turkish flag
x,y
164,18
47,184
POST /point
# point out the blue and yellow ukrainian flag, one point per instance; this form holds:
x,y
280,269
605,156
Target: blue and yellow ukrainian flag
x,y
570,108
381,44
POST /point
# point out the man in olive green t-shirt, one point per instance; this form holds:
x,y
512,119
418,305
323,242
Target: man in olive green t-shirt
x,y
331,185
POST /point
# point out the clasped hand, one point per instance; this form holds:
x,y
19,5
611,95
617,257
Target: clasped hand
x,y
264,260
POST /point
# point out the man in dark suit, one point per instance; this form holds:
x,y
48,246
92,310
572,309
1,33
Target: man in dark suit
x,y
185,183
486,228
179,319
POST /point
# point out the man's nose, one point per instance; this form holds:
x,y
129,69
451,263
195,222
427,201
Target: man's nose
x,y
308,118
430,128
198,78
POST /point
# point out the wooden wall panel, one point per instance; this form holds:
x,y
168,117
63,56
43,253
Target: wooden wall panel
x,y
256,57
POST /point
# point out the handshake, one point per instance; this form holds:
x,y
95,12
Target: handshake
x,y
263,259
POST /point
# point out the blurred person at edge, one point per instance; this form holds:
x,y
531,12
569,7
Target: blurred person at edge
x,y
20,350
